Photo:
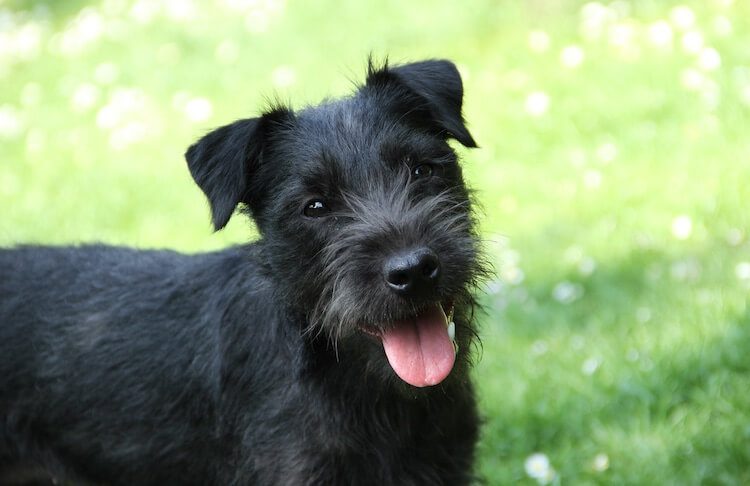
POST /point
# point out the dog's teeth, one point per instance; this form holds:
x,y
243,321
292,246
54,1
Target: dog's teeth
x,y
452,331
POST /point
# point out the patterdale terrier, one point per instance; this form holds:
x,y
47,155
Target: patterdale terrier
x,y
334,350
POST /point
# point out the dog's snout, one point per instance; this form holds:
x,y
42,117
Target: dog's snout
x,y
412,272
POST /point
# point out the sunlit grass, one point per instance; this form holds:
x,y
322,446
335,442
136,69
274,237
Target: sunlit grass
x,y
613,173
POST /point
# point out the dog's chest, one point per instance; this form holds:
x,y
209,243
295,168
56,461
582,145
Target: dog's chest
x,y
339,442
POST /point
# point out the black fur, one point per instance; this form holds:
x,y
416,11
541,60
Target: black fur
x,y
257,364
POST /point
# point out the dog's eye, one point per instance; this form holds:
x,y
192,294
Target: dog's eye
x,y
316,209
423,171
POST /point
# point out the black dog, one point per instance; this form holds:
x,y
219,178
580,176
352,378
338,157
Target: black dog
x,y
322,354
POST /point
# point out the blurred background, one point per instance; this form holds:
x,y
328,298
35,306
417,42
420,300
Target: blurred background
x,y
614,175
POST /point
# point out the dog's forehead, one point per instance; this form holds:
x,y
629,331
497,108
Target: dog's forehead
x,y
352,137
352,128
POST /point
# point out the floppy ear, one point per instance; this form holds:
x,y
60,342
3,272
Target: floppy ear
x,y
438,82
223,162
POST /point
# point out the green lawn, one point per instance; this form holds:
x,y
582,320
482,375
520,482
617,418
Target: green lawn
x,y
614,175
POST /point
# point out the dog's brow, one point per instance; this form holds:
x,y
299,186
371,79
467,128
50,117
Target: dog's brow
x,y
324,173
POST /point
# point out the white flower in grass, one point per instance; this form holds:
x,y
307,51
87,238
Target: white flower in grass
x,y
227,51
85,29
577,342
595,12
571,56
709,59
128,134
10,122
7,20
722,26
198,109
682,17
122,102
646,364
687,270
195,108
144,11
124,113
660,34
606,152
283,76
620,8
742,270
600,462
711,97
692,79
28,40
590,366
512,274
539,347
578,157
539,41
594,18
567,292
692,42
180,10
622,35
257,21
538,467
573,254
682,227
85,97
90,24
495,287
537,103
734,236
586,266
643,314
107,117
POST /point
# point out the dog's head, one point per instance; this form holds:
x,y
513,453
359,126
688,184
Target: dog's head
x,y
365,219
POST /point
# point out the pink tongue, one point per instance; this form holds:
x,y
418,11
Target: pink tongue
x,y
419,350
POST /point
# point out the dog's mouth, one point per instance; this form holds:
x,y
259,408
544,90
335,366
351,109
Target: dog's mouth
x,y
421,350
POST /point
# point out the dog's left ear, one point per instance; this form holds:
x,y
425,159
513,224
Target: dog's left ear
x,y
438,82
225,163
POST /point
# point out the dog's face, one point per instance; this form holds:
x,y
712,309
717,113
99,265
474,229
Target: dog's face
x,y
365,218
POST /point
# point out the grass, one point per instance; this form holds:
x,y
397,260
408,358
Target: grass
x,y
617,334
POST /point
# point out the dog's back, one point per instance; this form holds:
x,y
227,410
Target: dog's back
x,y
109,352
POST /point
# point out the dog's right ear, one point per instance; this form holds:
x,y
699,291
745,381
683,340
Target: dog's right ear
x,y
223,162
434,86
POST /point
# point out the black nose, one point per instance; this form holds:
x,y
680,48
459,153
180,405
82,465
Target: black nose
x,y
412,272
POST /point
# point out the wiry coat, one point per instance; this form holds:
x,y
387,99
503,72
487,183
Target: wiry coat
x,y
248,365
